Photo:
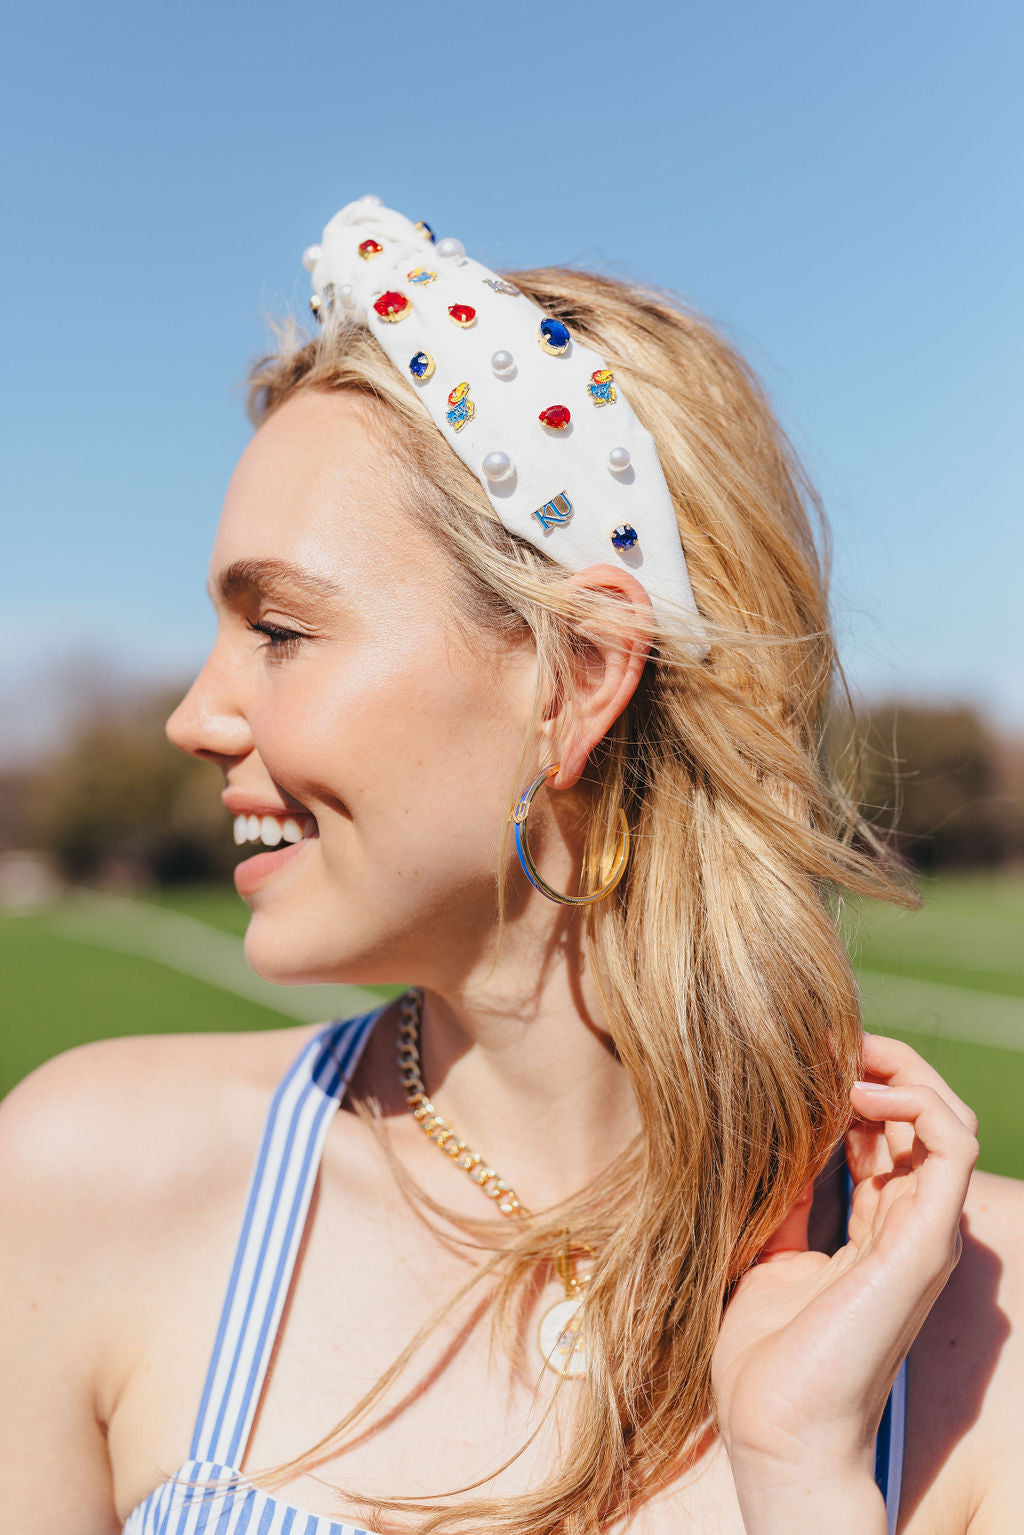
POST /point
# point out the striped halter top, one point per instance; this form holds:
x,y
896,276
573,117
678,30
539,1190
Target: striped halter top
x,y
280,1189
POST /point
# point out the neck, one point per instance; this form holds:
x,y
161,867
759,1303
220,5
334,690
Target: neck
x,y
517,1059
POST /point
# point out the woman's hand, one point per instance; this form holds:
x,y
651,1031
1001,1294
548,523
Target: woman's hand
x,y
810,1345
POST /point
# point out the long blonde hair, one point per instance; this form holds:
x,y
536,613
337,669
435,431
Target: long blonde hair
x,y
728,990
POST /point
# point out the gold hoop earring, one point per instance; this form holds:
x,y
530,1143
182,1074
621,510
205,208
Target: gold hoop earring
x,y
609,876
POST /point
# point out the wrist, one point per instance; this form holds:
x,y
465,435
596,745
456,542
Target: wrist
x,y
777,1500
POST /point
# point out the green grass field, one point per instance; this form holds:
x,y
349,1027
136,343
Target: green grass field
x,y
949,980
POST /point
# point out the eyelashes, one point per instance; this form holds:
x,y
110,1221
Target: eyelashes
x,y
281,643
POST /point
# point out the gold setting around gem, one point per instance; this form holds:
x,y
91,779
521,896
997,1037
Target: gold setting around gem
x,y
463,322
553,349
392,316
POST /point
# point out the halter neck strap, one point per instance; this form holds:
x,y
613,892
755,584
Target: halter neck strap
x,y
280,1189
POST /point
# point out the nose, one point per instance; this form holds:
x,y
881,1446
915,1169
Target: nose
x,y
210,721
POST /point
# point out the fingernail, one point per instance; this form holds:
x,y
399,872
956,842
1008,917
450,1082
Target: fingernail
x,y
873,1087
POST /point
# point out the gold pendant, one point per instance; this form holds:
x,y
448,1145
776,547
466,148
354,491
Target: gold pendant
x,y
560,1332
559,1337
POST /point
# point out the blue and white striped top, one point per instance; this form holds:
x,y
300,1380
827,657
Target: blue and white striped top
x,y
280,1189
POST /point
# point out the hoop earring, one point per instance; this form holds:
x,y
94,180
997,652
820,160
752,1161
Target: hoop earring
x,y
610,877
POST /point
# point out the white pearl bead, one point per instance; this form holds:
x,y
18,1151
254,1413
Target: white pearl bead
x,y
345,294
497,466
502,363
311,255
450,246
618,459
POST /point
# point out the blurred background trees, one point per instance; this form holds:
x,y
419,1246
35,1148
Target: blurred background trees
x,y
114,803
110,802
950,784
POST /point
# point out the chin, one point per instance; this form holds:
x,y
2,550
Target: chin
x,y
301,957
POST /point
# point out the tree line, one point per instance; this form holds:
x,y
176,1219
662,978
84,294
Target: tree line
x,y
115,803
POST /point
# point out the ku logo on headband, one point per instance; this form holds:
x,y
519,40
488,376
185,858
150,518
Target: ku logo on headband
x,y
554,512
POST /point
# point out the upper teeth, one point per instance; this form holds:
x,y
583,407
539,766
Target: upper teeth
x,y
272,829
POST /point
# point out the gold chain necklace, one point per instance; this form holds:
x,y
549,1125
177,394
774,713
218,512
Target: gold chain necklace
x,y
558,1334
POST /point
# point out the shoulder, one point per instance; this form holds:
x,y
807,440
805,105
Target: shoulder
x,y
142,1113
109,1148
966,1368
122,1164
988,1281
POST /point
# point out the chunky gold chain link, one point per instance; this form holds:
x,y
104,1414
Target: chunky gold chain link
x,y
431,1122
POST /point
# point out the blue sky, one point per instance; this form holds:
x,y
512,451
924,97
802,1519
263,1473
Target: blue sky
x,y
838,187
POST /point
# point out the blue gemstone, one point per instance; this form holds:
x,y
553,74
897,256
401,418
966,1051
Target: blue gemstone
x,y
554,333
624,537
419,364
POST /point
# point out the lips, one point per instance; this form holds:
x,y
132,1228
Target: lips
x,y
282,829
253,872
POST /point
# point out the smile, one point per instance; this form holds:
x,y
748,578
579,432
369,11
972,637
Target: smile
x,y
282,836
272,830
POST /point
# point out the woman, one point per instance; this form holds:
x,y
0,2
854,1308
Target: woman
x,y
576,1253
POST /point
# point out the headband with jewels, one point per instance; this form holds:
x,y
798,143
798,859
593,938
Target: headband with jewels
x,y
538,417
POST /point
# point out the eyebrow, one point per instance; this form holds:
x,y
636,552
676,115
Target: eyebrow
x,y
257,578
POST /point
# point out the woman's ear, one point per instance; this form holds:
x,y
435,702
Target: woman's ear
x,y
606,677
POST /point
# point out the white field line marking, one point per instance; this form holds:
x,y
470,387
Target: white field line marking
x,y
194,948
945,1011
968,942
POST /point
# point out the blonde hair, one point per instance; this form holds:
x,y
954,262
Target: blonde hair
x,y
728,990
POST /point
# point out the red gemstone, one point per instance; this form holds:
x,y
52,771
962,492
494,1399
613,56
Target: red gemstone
x,y
370,248
462,314
391,305
556,416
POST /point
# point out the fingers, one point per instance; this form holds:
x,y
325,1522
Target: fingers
x,y
896,1063
868,1151
945,1150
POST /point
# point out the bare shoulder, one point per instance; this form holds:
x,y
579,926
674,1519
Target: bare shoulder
x,y
109,1150
131,1124
121,1163
102,1146
988,1282
966,1370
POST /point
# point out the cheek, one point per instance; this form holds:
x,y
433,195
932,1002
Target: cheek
x,y
402,736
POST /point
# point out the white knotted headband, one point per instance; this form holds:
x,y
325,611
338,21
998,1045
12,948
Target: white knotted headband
x,y
538,417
